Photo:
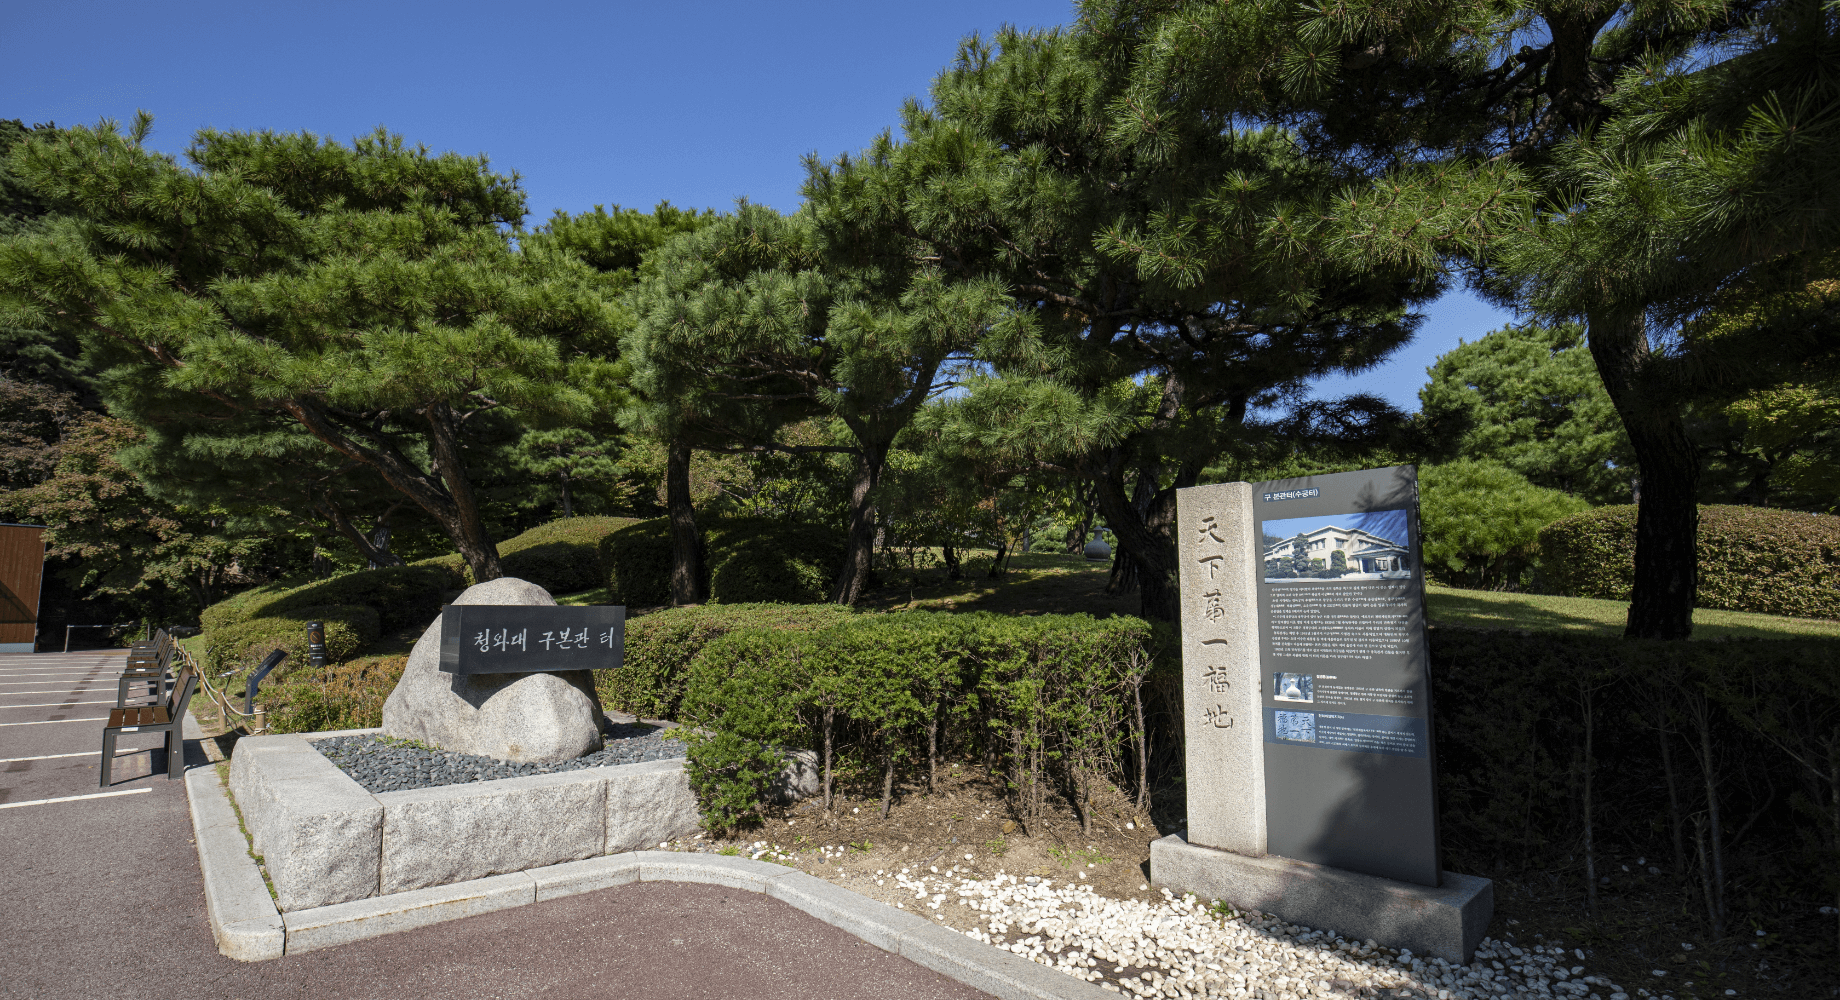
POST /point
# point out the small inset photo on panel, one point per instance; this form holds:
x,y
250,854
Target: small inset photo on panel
x,y
1292,687
1373,545
1299,727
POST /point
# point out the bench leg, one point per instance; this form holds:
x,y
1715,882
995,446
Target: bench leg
x,y
108,754
121,692
175,752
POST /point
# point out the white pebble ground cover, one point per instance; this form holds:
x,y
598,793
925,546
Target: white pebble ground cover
x,y
1183,948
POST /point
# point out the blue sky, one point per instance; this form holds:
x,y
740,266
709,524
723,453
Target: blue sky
x,y
609,103
1389,524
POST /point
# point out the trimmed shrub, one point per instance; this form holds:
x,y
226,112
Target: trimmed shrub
x,y
1591,554
1482,521
349,628
1051,697
397,597
451,563
343,696
563,556
751,560
402,596
756,559
637,560
660,646
241,607
1757,559
747,684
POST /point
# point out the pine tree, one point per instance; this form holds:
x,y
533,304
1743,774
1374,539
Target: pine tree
x,y
1710,184
616,243
372,294
1528,397
1566,112
1015,172
746,326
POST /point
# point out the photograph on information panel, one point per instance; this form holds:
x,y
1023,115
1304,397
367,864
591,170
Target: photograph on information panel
x,y
1371,545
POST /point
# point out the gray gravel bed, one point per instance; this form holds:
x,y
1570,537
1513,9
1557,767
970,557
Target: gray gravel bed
x,y
384,765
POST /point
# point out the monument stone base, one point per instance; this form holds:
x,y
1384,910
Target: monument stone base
x,y
1447,922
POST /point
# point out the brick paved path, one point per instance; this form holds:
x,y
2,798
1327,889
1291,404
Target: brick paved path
x,y
103,899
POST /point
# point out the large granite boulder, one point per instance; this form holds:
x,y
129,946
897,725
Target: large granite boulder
x,y
520,717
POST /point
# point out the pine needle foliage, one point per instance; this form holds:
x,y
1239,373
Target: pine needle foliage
x,y
371,294
1212,262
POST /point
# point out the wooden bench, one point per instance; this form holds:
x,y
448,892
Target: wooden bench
x,y
147,661
167,716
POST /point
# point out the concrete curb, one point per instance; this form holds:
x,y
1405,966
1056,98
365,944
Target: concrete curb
x,y
249,928
244,920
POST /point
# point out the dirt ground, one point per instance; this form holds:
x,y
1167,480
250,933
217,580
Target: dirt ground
x,y
1641,925
964,815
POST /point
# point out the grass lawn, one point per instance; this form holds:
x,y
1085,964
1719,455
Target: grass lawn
x,y
1045,583
1035,583
1489,609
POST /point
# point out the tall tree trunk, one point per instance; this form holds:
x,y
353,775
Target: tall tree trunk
x,y
1667,508
996,560
380,542
568,509
859,558
1148,537
366,547
446,494
476,546
1123,577
689,562
1076,542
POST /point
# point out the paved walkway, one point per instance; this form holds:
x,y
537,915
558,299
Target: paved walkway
x,y
102,897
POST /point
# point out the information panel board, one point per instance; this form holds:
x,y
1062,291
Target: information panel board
x,y
1344,674
528,639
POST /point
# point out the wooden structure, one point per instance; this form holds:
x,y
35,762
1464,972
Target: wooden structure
x,y
22,570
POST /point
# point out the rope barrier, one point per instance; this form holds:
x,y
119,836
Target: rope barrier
x,y
253,723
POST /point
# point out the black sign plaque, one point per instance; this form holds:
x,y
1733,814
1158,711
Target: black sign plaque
x,y
530,639
1344,676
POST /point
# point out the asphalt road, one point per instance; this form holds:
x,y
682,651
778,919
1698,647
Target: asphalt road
x,y
103,898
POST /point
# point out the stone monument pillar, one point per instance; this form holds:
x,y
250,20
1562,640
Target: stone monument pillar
x,y
1310,779
1220,668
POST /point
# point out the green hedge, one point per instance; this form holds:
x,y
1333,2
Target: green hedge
x,y
751,560
395,597
349,628
563,556
1049,697
660,646
637,560
755,559
241,607
1774,562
